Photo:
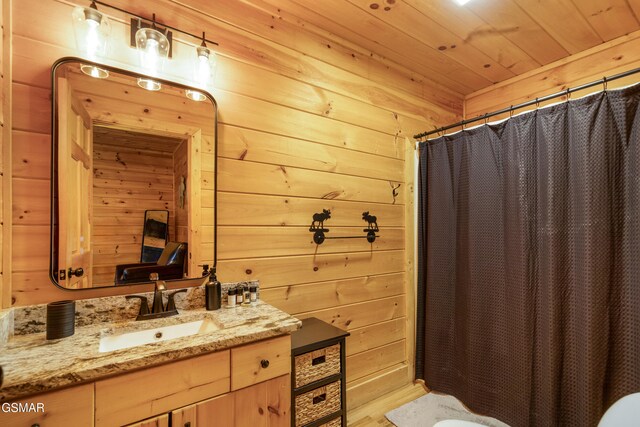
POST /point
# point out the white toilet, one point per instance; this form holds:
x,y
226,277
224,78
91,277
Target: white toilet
x,y
623,413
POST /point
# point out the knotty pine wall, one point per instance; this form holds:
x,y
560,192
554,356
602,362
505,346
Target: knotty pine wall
x,y
307,121
618,55
5,156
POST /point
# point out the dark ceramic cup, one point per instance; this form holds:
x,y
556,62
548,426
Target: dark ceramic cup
x,y
61,317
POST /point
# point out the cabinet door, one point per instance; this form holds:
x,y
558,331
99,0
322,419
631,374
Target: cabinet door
x,y
267,404
71,407
161,421
216,412
184,417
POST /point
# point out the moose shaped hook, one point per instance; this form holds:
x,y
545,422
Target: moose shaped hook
x,y
372,226
317,225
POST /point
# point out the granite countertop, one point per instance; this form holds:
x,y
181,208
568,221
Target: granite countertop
x,y
32,364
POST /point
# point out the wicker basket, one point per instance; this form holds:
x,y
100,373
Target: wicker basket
x,y
317,403
336,422
316,365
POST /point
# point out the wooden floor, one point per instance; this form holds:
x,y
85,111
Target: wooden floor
x,y
372,413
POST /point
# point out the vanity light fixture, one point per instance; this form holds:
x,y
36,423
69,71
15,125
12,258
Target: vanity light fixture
x,y
462,2
203,71
91,28
152,42
153,49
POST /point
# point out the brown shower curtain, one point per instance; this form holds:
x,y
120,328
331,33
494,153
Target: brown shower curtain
x,y
529,278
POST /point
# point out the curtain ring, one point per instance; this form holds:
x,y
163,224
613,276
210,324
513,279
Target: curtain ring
x,y
486,118
568,93
511,111
604,83
537,104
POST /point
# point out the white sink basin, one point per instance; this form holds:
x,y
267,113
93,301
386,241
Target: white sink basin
x,y
148,336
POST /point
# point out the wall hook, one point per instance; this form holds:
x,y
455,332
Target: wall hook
x,y
317,226
372,226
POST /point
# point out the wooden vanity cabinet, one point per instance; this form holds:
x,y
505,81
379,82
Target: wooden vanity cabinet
x,y
193,390
249,385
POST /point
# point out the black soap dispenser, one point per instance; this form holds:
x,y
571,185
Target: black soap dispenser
x,y
213,292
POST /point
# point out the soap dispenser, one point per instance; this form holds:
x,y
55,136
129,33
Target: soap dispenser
x,y
213,292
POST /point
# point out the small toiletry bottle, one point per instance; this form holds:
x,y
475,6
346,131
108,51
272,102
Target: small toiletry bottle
x,y
213,292
231,298
239,295
253,292
246,296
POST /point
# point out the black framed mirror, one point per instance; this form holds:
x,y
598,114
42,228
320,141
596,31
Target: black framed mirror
x,y
123,156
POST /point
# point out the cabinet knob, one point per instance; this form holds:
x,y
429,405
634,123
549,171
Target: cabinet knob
x,y
264,363
35,425
187,424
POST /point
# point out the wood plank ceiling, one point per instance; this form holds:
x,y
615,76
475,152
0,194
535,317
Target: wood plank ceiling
x,y
466,48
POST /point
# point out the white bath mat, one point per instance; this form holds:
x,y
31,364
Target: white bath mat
x,y
427,410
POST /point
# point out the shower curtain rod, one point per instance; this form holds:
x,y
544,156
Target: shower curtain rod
x,y
602,81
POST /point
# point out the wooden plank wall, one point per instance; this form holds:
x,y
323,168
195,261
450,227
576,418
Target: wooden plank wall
x,y
307,122
116,167
6,209
607,59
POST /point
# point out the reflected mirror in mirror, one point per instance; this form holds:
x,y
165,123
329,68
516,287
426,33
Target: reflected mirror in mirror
x,y
133,180
155,234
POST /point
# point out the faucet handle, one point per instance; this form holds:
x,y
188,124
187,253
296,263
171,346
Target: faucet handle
x,y
144,306
171,304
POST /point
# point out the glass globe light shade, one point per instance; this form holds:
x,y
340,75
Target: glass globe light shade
x,y
153,49
91,28
205,67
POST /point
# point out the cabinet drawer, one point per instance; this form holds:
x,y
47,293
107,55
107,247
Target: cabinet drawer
x,y
143,394
259,362
58,412
318,403
316,365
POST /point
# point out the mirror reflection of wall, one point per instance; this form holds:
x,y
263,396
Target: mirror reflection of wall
x,y
130,160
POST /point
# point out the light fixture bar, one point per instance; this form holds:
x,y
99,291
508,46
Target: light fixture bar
x,y
149,20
